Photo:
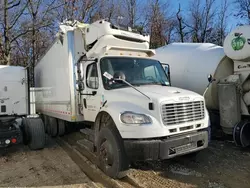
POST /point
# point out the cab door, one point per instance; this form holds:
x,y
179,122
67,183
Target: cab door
x,y
91,95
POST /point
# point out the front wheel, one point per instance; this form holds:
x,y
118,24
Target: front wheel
x,y
112,159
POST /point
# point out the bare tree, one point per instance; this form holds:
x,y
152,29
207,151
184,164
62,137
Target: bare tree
x,y
222,22
9,23
201,19
181,26
243,9
40,13
130,11
160,23
80,10
109,10
219,25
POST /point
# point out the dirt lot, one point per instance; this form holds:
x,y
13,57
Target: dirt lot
x,y
222,165
49,167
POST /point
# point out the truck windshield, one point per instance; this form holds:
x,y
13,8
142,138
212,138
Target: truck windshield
x,y
137,71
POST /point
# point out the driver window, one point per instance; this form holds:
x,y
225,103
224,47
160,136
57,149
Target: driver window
x,y
92,76
151,71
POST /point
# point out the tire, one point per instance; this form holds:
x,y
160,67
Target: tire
x,y
42,117
46,123
35,133
52,127
25,131
61,127
112,158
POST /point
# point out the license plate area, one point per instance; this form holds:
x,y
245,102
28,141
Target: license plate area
x,y
182,148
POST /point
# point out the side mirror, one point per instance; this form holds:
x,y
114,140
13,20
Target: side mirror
x,y
79,85
210,78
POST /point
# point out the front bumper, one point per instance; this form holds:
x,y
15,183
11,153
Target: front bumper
x,y
159,149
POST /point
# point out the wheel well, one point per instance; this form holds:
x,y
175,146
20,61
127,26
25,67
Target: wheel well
x,y
101,118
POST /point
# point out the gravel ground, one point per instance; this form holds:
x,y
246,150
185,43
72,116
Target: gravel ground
x,y
20,167
222,165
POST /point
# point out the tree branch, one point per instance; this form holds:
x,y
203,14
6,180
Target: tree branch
x,y
29,30
48,10
18,16
14,5
19,35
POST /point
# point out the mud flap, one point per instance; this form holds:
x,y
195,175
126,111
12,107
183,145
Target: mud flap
x,y
241,134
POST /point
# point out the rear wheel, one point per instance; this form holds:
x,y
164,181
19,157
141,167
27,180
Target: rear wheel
x,y
61,127
46,123
34,134
52,127
112,158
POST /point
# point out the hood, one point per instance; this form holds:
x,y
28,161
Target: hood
x,y
158,93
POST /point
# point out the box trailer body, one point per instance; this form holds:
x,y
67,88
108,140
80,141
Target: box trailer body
x,y
13,79
55,73
102,76
15,108
191,63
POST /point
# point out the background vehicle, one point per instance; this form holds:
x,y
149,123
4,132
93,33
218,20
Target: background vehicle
x,y
104,76
18,123
191,63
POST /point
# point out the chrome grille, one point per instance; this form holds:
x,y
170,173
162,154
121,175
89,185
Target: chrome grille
x,y
182,112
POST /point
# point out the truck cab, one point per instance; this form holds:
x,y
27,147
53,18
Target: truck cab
x,y
17,124
124,93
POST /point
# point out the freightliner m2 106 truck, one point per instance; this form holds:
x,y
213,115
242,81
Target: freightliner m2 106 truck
x,y
229,93
18,123
103,75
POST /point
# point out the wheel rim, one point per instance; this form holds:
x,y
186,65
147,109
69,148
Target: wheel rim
x,y
106,154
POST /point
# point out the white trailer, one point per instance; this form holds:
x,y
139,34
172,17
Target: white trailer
x,y
104,76
17,123
191,63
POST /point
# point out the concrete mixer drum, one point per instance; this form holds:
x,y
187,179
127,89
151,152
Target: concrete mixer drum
x,y
237,44
232,111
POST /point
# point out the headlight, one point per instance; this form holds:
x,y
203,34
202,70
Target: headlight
x,y
134,118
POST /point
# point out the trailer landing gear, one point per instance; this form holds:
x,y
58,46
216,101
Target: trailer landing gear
x,y
34,133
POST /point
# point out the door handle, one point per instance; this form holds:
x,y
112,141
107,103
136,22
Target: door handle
x,y
85,103
93,93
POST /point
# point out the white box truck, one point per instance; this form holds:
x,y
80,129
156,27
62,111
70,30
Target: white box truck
x,y
229,94
18,122
103,75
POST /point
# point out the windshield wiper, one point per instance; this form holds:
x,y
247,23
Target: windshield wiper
x,y
153,83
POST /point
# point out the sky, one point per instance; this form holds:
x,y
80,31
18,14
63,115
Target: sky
x,y
232,9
